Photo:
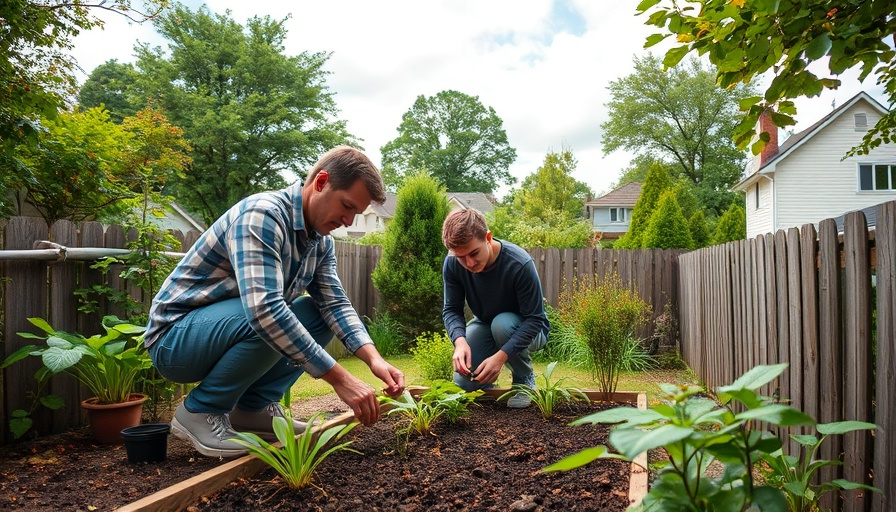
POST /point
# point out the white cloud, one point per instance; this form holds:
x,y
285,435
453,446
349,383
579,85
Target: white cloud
x,y
543,71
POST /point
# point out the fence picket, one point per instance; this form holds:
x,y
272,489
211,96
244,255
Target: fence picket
x,y
857,354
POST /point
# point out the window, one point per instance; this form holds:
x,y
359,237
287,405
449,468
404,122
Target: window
x,y
861,121
617,214
874,177
757,195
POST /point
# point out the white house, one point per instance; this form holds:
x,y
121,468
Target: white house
x,y
611,213
807,179
376,216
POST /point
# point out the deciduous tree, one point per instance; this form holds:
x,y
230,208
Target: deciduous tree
x,y
36,72
459,141
747,38
250,113
112,85
553,189
682,118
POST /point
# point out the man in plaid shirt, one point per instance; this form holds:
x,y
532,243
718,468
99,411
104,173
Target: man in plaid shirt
x,y
255,301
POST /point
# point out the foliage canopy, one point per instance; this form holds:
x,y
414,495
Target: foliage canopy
x,y
746,38
459,141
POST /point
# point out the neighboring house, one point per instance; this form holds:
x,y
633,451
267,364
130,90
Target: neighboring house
x,y
807,179
175,217
610,214
376,216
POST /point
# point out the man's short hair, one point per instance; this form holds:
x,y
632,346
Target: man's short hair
x,y
346,165
462,226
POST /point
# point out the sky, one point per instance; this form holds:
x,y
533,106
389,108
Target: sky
x,y
543,65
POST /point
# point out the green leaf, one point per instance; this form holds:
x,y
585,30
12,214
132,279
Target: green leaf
x,y
777,414
846,484
769,499
42,324
582,458
842,427
646,4
756,377
674,56
819,46
654,39
58,359
620,415
805,439
632,442
18,426
19,354
746,103
52,402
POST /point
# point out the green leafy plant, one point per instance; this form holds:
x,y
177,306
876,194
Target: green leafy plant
x,y
793,475
108,365
297,456
605,314
433,352
386,334
550,394
442,399
695,431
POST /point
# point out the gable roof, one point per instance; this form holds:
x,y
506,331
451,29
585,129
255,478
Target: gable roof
x,y
479,201
626,195
796,140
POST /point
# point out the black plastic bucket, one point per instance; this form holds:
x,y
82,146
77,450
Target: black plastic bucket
x,y
147,442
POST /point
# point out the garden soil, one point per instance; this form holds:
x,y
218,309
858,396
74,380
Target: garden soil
x,y
489,462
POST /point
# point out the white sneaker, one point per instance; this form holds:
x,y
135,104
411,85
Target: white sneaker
x,y
519,401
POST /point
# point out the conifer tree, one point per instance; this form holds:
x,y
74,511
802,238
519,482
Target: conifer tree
x,y
732,226
668,229
698,229
656,182
409,274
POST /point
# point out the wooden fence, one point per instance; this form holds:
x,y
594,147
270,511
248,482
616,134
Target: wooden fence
x,y
807,298
45,289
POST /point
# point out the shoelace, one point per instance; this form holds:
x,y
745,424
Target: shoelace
x,y
220,426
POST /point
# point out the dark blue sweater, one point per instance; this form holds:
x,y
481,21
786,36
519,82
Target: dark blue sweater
x,y
511,285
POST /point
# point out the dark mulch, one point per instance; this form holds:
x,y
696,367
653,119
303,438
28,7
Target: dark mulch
x,y
69,472
492,461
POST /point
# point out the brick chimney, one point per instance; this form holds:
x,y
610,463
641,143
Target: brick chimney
x,y
771,148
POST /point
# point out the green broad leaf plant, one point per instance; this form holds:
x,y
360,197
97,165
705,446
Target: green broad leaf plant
x,y
107,364
443,399
550,395
297,456
695,431
794,475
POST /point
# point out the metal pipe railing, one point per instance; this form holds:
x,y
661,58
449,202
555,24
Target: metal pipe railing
x,y
49,251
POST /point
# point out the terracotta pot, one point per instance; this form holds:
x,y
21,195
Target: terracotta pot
x,y
108,420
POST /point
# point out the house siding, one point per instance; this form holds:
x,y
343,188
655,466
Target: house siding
x,y
813,183
760,219
600,220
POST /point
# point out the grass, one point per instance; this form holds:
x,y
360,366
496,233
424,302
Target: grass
x,y
647,382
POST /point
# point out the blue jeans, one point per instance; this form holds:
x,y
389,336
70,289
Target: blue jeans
x,y
485,340
215,346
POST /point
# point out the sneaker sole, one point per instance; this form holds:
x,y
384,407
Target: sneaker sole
x,y
178,430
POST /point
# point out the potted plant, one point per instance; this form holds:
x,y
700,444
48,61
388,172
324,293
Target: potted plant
x,y
108,365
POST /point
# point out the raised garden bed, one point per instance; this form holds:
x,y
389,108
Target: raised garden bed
x,y
442,472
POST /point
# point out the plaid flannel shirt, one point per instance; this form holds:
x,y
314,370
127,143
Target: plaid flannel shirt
x,y
258,251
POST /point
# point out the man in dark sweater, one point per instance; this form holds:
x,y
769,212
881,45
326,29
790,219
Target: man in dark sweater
x,y
498,281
